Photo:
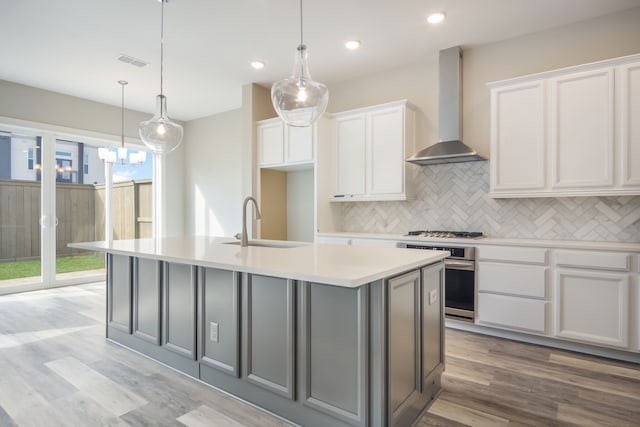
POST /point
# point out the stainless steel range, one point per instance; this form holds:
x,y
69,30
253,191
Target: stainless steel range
x,y
460,272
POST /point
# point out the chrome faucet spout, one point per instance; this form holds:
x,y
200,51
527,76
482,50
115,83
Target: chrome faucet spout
x,y
256,215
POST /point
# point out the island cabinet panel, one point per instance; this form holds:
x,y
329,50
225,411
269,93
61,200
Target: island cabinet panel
x,y
432,327
219,322
334,363
404,344
119,292
179,302
146,299
268,318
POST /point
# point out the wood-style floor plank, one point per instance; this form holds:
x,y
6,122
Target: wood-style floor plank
x,y
48,337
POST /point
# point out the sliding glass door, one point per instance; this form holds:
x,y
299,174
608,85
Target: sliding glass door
x,y
52,193
20,209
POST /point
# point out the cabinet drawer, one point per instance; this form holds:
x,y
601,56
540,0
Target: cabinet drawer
x,y
512,312
520,280
593,260
513,254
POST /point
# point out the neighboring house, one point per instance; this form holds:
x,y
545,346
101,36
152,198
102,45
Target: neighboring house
x,y
76,162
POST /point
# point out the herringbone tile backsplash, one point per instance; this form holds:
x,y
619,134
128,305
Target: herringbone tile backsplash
x,y
455,197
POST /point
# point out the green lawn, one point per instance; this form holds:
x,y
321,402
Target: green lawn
x,y
67,264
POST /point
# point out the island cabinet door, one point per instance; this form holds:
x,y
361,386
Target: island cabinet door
x,y
432,327
119,292
218,322
405,378
268,330
334,352
179,309
146,299
404,347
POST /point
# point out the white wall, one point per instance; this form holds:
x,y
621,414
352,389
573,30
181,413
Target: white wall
x,y
214,175
300,206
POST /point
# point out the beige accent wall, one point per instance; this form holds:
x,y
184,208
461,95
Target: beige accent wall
x,y
588,41
273,204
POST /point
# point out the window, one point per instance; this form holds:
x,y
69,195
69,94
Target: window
x,y
64,168
86,164
30,159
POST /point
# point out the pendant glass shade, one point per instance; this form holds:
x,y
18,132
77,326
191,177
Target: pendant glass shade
x,y
298,100
159,133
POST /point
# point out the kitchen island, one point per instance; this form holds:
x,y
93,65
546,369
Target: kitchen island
x,y
318,334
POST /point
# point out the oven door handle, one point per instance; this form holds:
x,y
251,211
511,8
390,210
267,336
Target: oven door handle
x,y
459,265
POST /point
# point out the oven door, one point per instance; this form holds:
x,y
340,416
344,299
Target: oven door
x,y
460,289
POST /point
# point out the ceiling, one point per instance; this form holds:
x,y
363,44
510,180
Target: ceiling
x,y
71,46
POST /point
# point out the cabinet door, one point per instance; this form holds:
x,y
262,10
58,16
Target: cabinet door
x,y
146,299
523,314
592,307
350,141
119,292
385,151
432,315
179,302
582,134
518,137
271,143
299,144
404,344
269,344
630,125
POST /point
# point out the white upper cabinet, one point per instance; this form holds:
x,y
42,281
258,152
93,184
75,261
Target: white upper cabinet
x,y
281,145
518,130
350,160
371,147
568,132
582,106
630,126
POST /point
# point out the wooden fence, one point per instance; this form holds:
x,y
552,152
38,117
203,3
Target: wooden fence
x,y
80,213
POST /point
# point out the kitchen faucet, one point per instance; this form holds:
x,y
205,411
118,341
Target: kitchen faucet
x,y
244,240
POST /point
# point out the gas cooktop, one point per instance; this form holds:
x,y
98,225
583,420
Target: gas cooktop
x,y
447,234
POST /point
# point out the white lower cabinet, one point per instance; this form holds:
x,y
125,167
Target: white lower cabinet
x,y
513,288
592,306
591,294
513,312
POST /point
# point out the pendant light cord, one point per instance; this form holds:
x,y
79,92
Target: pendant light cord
x,y
161,44
301,39
122,83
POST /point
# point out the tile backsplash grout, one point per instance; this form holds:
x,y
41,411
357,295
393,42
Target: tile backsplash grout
x,y
455,197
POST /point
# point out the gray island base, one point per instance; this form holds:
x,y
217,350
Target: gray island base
x,y
355,340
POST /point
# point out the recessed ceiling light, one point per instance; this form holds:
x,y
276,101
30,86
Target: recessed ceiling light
x,y
352,44
435,18
258,65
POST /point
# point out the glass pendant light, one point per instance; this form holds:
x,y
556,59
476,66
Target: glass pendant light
x,y
160,133
298,99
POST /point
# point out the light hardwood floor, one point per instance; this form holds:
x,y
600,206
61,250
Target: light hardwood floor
x,y
57,369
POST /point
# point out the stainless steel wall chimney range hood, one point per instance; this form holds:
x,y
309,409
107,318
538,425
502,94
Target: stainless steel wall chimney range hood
x,y
450,149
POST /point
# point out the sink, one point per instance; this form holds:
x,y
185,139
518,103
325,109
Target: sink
x,y
271,244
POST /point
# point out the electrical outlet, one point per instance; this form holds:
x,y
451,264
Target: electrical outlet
x,y
213,332
433,296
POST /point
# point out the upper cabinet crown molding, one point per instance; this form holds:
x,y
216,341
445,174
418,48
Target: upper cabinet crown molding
x,y
372,144
567,132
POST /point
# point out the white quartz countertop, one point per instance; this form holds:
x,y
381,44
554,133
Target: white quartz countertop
x,y
339,265
562,244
